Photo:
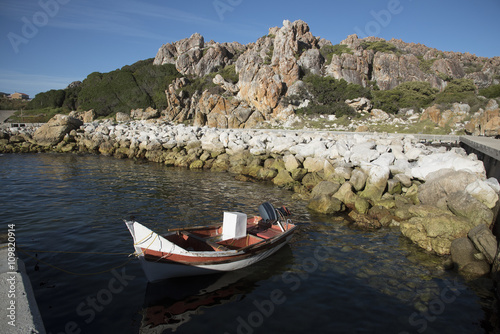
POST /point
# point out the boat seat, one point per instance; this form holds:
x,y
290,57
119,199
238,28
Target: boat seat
x,y
212,244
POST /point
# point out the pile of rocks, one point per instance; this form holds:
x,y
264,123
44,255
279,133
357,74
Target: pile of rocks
x,y
434,195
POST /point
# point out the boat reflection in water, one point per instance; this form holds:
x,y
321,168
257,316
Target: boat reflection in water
x,y
173,302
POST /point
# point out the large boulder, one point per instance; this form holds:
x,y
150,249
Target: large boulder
x,y
434,229
450,160
483,192
441,183
376,183
484,241
325,188
463,255
55,129
325,204
464,205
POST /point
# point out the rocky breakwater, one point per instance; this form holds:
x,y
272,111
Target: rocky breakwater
x,y
438,197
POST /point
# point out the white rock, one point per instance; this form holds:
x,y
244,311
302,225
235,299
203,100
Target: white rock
x,y
483,193
363,153
342,147
224,139
312,149
314,164
401,166
494,184
291,162
280,145
431,163
385,159
413,154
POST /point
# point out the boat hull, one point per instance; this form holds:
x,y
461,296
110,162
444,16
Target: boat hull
x,y
156,271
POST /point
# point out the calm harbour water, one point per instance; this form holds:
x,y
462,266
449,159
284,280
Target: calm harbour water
x,y
331,279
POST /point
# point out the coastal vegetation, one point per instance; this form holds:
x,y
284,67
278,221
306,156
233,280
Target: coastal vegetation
x,y
327,51
139,85
10,104
329,95
418,95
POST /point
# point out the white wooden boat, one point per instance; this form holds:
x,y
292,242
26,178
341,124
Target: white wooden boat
x,y
235,243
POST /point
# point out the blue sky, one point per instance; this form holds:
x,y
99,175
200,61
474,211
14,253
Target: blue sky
x,y
47,44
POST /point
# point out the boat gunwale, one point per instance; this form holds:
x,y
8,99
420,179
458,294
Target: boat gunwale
x,y
214,258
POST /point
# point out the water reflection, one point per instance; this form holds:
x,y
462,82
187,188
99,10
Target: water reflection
x,y
171,303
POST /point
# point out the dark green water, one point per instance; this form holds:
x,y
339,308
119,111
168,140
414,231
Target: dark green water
x,y
331,279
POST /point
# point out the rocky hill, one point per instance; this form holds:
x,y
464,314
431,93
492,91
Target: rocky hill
x,y
271,69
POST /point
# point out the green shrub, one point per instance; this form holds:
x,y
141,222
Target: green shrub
x,y
139,85
490,92
460,86
50,99
327,51
327,90
380,46
413,94
36,115
338,109
229,73
426,65
8,104
329,94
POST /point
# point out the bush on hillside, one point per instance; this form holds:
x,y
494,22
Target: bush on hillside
x,y
414,94
9,104
52,99
490,92
380,46
139,85
327,51
328,95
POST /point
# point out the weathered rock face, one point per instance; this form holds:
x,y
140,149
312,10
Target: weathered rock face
x,y
220,112
485,122
141,114
269,69
458,113
55,129
192,56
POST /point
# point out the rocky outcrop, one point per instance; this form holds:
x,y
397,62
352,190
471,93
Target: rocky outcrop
x,y
269,68
192,56
52,132
457,114
485,122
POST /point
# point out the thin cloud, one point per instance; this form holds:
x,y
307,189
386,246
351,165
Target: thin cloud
x,y
125,19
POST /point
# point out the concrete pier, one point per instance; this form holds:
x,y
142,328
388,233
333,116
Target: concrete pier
x,y
487,150
19,312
